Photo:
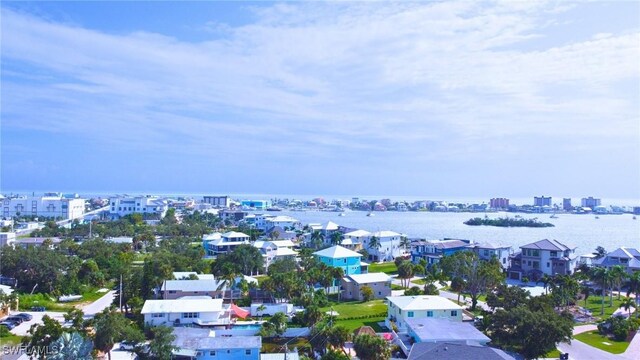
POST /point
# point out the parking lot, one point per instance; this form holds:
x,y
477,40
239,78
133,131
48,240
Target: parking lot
x,y
22,329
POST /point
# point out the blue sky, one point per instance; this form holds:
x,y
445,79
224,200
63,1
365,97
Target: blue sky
x,y
431,98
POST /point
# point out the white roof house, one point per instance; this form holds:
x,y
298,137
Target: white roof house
x,y
330,226
357,234
337,252
188,303
423,302
369,278
205,285
385,234
178,275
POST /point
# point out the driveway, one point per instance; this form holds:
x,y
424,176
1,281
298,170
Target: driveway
x,y
90,310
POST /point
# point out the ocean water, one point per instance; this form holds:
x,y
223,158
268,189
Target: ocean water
x,y
583,231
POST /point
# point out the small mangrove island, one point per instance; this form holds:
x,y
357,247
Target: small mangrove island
x,y
507,222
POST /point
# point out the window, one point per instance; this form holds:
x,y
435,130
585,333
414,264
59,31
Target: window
x,y
547,264
198,353
157,315
228,351
190,315
344,261
454,312
429,313
212,353
410,314
536,253
379,293
247,352
554,254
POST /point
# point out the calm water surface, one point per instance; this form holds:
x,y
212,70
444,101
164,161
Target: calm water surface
x,y
584,231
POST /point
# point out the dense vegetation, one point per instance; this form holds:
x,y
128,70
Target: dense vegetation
x,y
507,222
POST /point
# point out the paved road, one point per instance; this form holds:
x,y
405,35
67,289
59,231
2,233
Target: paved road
x,y
580,351
37,319
97,306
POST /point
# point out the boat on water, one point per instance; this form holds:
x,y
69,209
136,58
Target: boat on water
x,y
597,217
554,216
342,214
371,214
274,208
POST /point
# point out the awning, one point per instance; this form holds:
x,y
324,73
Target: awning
x,y
239,312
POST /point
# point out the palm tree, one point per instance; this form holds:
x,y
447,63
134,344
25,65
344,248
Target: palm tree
x,y
336,238
545,280
260,310
317,239
374,243
628,303
601,277
617,278
586,291
634,287
405,242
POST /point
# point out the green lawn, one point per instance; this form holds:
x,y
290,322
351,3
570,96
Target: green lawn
x,y
594,339
351,325
553,354
10,340
261,279
277,345
387,268
357,308
594,305
419,282
397,287
51,303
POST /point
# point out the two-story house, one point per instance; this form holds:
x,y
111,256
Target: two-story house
x,y
198,310
389,246
545,256
338,256
404,308
356,239
487,251
203,344
218,243
433,250
628,258
380,284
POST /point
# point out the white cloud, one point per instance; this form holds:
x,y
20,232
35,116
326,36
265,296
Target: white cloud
x,y
324,78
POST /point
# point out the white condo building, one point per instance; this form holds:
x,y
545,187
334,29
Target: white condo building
x,y
122,206
55,205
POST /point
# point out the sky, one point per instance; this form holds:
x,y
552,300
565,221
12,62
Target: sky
x,y
477,99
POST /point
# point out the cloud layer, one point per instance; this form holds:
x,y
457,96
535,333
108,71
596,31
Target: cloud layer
x,y
349,87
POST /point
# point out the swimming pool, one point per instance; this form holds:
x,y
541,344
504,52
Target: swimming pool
x,y
246,326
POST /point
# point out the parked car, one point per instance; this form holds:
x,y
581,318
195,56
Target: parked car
x,y
8,325
14,319
128,345
25,316
38,308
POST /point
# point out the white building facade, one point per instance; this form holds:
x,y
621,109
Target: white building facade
x,y
53,205
122,206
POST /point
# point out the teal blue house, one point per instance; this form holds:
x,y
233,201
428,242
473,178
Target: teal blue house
x,y
348,260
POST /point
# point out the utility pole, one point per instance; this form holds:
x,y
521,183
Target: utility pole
x,y
120,292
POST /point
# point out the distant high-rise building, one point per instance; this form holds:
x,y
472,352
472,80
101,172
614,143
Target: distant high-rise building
x,y
566,204
590,202
542,201
217,201
499,203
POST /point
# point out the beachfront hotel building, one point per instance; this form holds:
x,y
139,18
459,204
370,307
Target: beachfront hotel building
x,y
145,205
499,203
542,201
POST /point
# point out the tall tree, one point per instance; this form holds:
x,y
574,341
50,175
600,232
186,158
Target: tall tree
x,y
72,346
374,243
161,346
112,327
634,288
336,238
317,239
43,335
618,275
601,277
370,347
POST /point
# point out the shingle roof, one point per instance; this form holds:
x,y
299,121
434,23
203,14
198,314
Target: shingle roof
x,y
546,244
423,302
337,252
449,350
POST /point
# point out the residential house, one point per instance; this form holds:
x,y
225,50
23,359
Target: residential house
x,y
175,289
439,330
488,251
285,222
403,308
433,250
354,240
231,216
338,256
545,256
197,310
275,250
455,350
352,285
186,275
281,356
202,344
37,241
628,258
218,243
389,248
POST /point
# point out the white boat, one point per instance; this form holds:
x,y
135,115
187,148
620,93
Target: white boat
x,y
554,216
371,214
342,214
66,298
597,217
